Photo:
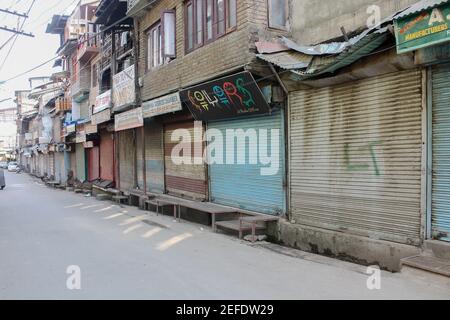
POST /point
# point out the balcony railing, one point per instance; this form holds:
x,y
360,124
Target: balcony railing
x,y
63,104
88,46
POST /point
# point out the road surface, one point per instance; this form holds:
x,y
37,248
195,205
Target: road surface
x,y
122,253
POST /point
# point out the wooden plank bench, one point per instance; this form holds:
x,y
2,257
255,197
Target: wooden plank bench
x,y
120,199
158,203
254,222
207,207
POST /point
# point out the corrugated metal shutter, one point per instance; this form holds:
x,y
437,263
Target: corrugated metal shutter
x,y
81,162
356,152
94,162
51,164
245,186
189,179
106,155
154,156
127,165
441,153
59,158
140,158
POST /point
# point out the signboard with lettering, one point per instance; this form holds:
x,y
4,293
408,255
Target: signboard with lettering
x,y
424,29
124,87
102,102
129,120
70,128
80,137
102,116
230,97
163,105
90,128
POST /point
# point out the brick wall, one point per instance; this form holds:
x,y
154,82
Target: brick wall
x,y
232,51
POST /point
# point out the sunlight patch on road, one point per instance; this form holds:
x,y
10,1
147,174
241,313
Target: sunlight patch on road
x,y
133,228
92,206
173,241
106,209
133,220
74,206
113,216
151,233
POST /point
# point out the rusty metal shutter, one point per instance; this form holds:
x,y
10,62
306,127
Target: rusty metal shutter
x,y
154,156
127,165
184,180
106,155
356,152
440,210
93,163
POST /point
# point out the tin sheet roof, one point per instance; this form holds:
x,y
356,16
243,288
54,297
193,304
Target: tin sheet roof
x,y
420,6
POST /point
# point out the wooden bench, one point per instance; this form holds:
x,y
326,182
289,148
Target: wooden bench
x,y
120,199
253,222
158,203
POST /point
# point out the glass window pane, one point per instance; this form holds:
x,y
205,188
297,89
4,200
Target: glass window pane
x,y
221,17
277,14
169,34
232,14
209,19
199,21
190,26
160,48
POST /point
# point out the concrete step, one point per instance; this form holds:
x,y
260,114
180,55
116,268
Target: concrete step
x,y
427,263
440,249
235,226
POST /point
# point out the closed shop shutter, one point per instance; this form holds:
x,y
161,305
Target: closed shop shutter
x,y
81,162
73,161
247,186
51,164
188,179
94,162
127,165
58,166
106,156
356,157
140,158
154,157
440,209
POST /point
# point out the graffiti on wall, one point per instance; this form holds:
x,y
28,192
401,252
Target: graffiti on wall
x,y
358,167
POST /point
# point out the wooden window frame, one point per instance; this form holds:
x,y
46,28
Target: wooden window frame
x,y
215,25
274,26
149,49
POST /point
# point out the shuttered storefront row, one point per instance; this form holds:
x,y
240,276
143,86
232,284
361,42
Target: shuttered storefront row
x,y
188,179
80,162
440,199
127,165
356,157
246,186
154,156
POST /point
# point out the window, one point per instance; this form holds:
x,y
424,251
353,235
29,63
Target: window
x,y
278,14
154,47
161,46
208,20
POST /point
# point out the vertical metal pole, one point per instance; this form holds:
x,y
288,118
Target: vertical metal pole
x,y
429,174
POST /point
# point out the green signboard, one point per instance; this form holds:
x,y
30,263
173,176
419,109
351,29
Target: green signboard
x,y
424,29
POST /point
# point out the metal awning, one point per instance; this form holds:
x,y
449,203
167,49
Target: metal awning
x,y
419,7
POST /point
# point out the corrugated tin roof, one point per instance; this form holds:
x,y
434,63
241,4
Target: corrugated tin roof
x,y
287,60
420,6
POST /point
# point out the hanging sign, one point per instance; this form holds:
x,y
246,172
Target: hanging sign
x,y
230,97
102,116
424,29
102,102
90,128
163,105
124,87
129,120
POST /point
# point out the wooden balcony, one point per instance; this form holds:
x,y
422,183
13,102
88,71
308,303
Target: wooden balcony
x,y
63,104
88,46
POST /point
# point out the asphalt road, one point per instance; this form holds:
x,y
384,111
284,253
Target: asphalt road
x,y
124,253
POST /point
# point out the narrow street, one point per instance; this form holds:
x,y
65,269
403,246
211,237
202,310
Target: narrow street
x,y
123,253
